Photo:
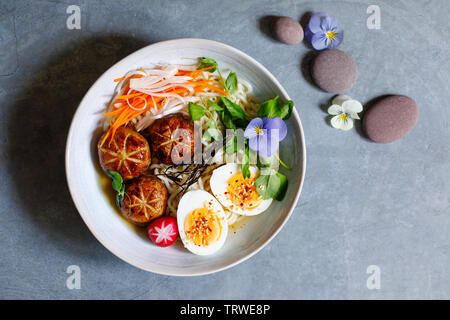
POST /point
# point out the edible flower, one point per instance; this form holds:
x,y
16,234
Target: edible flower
x,y
344,110
323,32
265,134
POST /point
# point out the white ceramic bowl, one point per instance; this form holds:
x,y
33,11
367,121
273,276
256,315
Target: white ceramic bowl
x,y
132,245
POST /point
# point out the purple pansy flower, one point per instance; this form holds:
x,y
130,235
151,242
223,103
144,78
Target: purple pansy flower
x,y
323,32
264,135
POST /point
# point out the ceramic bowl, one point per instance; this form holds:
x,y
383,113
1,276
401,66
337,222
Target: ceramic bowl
x,y
89,186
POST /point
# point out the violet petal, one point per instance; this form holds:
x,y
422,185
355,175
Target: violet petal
x,y
253,143
315,21
276,123
250,131
325,24
320,41
268,144
308,35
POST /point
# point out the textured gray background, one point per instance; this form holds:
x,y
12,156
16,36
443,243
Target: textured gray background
x,y
362,203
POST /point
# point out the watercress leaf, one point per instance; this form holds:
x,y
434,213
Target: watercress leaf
x,y
231,83
196,111
214,106
113,174
206,63
117,180
231,146
286,110
117,185
237,114
246,163
268,162
268,108
119,198
272,185
266,186
226,119
275,108
212,133
283,184
207,136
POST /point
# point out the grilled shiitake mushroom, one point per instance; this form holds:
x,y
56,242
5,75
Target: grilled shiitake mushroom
x,y
127,153
172,138
145,199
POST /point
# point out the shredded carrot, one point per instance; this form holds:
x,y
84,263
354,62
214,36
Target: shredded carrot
x,y
214,88
114,112
128,96
133,101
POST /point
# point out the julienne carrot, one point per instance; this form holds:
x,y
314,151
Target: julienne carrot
x,y
114,112
132,103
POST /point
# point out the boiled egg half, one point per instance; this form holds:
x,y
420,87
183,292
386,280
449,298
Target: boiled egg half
x,y
201,222
236,193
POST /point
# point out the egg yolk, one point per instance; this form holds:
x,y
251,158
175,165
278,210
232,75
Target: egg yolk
x,y
242,192
202,227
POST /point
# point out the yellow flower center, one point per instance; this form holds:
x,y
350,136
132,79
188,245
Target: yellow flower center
x,y
258,130
343,116
331,35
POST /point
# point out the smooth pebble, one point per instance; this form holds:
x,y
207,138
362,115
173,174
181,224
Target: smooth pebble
x,y
288,31
334,71
390,118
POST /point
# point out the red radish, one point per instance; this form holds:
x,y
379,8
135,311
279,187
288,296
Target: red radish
x,y
163,231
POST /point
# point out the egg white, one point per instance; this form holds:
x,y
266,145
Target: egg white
x,y
219,182
197,199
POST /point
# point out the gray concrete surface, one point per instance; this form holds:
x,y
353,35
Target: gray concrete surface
x,y
362,203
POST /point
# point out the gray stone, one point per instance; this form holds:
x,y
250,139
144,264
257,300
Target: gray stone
x,y
334,71
390,118
288,30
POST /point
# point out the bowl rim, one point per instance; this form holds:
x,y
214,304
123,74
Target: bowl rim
x,y
292,204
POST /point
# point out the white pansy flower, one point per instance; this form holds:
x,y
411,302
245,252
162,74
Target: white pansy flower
x,y
344,109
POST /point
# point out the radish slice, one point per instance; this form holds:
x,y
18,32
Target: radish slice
x,y
163,231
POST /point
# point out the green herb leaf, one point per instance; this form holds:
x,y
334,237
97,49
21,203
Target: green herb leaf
x,y
214,106
119,198
283,186
117,180
286,109
212,133
226,119
233,113
117,184
268,163
196,111
206,63
246,162
274,108
231,83
268,108
231,146
234,109
272,185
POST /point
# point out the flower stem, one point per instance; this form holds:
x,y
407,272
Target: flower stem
x,y
282,163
